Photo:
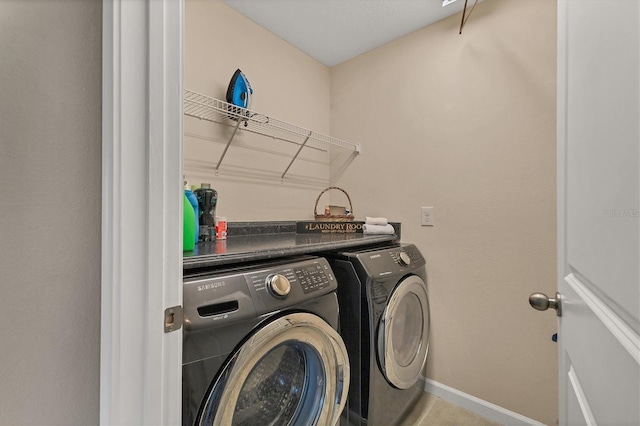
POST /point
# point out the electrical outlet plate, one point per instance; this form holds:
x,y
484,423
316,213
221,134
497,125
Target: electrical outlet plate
x,y
426,218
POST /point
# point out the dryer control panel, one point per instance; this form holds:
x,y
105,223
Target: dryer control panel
x,y
391,261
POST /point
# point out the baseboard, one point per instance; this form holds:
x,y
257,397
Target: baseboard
x,y
477,405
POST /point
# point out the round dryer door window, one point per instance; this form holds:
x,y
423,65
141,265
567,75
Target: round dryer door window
x,y
403,334
294,370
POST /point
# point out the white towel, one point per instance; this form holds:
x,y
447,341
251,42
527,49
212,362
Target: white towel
x,y
376,221
378,229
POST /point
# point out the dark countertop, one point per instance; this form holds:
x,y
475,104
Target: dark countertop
x,y
250,241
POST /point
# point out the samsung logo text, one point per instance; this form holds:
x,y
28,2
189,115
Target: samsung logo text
x,y
210,286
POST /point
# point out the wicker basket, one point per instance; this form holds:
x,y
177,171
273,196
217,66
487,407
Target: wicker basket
x,y
335,217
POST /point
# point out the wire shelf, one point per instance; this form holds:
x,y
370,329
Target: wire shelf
x,y
211,109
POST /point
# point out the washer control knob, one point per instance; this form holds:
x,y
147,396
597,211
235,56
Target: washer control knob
x,y
278,285
404,259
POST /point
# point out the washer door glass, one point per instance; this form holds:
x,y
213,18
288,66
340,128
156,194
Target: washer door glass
x,y
403,333
292,371
287,384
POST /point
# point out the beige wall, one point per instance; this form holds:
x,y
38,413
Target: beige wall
x,y
288,85
50,192
466,124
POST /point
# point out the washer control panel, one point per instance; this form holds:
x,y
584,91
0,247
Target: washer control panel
x,y
309,276
242,293
278,285
314,277
290,283
266,280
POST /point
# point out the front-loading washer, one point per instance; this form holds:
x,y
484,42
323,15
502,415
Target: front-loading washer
x,y
261,346
384,321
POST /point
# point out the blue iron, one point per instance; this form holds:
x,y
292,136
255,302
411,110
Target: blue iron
x,y
239,90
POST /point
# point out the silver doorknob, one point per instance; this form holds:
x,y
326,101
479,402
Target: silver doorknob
x,y
541,302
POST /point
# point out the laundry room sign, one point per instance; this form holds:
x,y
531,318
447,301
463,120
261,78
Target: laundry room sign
x,y
317,227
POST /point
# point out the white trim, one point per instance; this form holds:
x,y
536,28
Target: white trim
x,y
477,405
140,372
627,337
582,398
110,210
561,185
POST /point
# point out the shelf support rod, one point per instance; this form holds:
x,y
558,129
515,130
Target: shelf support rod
x,y
296,156
235,129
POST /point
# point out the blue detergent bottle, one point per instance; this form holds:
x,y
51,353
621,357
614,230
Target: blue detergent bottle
x,y
193,200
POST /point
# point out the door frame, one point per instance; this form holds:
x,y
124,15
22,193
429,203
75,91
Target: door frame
x,y
142,87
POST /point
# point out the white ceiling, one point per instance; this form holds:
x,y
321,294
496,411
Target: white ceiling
x,y
333,31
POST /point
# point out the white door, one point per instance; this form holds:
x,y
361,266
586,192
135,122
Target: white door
x,y
598,202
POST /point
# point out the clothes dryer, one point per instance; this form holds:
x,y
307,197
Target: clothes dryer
x,y
384,320
261,346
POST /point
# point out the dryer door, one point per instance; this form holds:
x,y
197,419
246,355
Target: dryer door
x,y
292,371
403,333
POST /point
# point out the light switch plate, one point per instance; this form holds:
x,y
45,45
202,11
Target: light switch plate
x,y
426,218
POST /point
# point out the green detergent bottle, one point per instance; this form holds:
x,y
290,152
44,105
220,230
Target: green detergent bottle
x,y
188,225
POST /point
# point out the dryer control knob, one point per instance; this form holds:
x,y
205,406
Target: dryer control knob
x,y
404,259
278,285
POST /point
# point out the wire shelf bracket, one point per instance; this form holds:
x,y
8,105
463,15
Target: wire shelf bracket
x,y
214,110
